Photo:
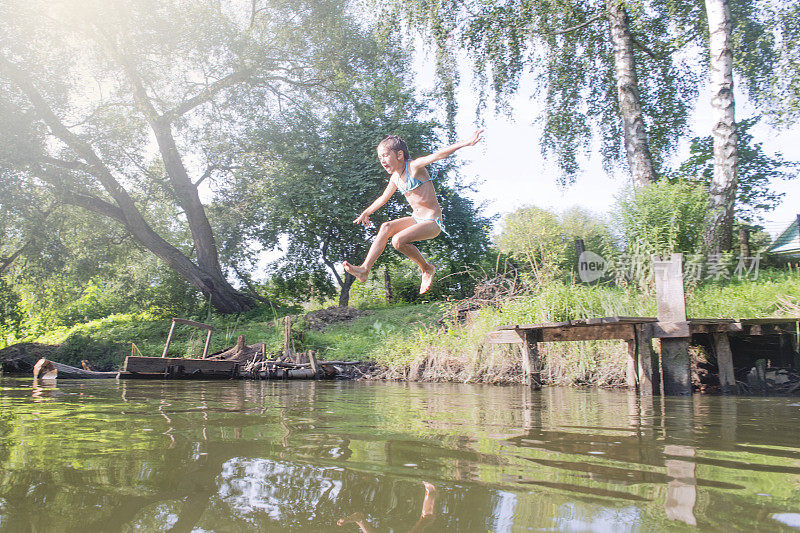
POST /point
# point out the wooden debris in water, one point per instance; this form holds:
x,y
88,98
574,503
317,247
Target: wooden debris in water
x,y
46,369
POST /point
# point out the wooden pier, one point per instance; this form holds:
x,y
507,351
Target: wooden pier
x,y
727,340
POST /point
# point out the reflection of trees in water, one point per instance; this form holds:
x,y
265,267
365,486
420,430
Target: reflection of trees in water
x,y
263,456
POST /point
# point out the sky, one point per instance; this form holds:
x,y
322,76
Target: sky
x,y
513,172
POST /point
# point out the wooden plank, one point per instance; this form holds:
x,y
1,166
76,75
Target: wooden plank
x,y
711,321
504,337
668,330
670,297
588,333
163,365
208,342
630,319
534,326
582,322
769,320
46,369
312,361
722,348
193,323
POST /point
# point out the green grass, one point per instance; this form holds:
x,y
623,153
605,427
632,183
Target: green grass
x,y
375,334
410,338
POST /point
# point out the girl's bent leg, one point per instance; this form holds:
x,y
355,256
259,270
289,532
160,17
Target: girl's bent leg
x,y
385,232
418,232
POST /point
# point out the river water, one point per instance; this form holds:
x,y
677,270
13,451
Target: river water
x,y
304,456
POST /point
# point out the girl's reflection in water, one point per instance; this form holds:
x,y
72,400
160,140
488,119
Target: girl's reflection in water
x,y
426,519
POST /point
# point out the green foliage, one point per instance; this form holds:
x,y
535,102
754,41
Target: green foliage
x,y
380,333
662,218
567,46
533,235
742,298
757,172
545,241
313,174
785,92
11,315
401,335
298,282
103,354
66,143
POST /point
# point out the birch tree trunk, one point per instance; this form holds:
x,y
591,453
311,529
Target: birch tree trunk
x,y
637,147
722,192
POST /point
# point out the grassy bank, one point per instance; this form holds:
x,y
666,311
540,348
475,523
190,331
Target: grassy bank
x,y
423,342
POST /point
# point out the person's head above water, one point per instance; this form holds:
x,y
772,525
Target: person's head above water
x,y
393,143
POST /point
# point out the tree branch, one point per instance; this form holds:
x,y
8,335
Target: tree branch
x,y
6,262
210,170
248,284
207,94
329,264
577,27
83,149
69,165
94,204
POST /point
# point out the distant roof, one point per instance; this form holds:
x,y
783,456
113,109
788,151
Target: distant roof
x,y
788,242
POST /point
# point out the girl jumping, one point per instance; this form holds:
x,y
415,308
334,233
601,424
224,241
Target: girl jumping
x,y
411,178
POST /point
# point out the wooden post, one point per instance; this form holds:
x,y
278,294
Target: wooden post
x,y
744,241
631,378
287,336
672,308
387,284
312,359
208,342
530,358
644,351
188,323
580,247
169,338
722,349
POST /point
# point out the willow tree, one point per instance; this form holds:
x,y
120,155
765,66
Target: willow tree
x,y
607,67
106,103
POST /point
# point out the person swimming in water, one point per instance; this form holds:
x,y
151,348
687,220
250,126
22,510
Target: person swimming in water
x,y
411,178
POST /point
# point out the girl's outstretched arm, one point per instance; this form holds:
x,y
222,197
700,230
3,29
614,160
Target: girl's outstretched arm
x,y
363,218
446,152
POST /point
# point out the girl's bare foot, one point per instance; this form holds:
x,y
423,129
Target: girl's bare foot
x,y
427,278
360,273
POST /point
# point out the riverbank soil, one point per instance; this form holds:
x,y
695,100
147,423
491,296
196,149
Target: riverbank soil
x,y
20,358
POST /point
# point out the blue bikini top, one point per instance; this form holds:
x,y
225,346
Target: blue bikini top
x,y
411,182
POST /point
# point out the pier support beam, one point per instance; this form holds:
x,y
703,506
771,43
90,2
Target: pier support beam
x,y
531,364
671,304
644,350
722,349
631,374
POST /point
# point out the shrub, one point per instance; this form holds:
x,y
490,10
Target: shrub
x,y
663,218
543,241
